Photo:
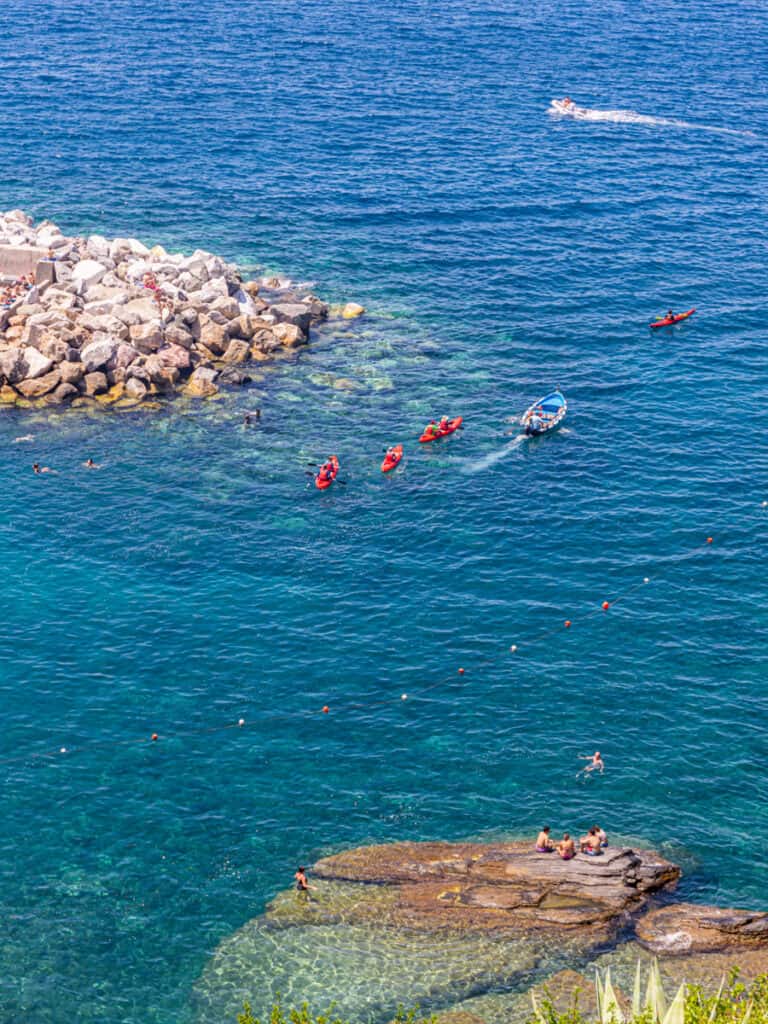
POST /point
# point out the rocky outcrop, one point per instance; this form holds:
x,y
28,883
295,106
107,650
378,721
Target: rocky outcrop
x,y
504,886
684,928
102,312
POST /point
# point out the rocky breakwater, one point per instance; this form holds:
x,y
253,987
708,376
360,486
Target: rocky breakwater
x,y
107,321
504,887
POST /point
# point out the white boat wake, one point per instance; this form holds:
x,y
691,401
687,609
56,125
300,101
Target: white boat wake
x,y
494,457
559,108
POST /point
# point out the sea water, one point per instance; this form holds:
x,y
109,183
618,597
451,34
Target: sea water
x,y
401,156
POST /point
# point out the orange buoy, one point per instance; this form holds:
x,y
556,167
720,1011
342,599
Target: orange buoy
x,y
606,606
709,540
326,709
154,736
567,623
461,671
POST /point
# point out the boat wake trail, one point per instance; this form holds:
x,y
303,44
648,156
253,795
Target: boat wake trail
x,y
632,117
494,457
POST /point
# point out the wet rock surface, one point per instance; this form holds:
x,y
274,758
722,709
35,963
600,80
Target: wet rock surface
x,y
684,928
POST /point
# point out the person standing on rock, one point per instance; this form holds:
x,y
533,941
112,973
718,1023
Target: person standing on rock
x,y
302,885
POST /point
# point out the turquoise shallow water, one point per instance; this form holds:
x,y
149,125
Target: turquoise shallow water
x,y
404,158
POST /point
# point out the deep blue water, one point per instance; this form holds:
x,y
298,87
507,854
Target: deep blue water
x,y
403,157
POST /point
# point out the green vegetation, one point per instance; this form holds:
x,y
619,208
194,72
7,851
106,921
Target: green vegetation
x,y
733,1003
302,1015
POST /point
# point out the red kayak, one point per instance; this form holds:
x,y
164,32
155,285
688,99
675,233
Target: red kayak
x,y
433,435
321,480
669,321
392,458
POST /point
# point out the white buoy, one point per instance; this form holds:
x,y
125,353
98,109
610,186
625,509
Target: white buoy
x,y
513,648
241,721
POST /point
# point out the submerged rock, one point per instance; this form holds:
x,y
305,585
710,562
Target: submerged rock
x,y
689,928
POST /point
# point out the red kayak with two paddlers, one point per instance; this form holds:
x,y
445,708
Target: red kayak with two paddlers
x,y
327,474
434,431
670,321
392,458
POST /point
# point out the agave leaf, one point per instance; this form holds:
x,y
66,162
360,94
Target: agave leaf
x,y
655,999
636,991
676,1012
716,1004
748,1011
599,995
537,1009
611,1010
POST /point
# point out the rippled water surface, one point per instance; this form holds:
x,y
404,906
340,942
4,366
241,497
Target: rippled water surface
x,y
401,156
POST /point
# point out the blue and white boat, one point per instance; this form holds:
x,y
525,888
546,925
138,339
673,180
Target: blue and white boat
x,y
546,414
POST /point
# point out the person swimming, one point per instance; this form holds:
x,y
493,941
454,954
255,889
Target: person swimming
x,y
543,843
596,763
90,464
37,468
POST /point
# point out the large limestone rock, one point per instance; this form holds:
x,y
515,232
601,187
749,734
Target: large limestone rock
x,y
214,337
352,310
37,364
237,351
202,382
40,385
146,337
95,383
508,886
87,273
289,335
295,313
685,928
12,365
71,372
98,354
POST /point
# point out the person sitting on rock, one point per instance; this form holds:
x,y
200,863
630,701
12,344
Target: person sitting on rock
x,y
601,835
590,843
543,843
302,885
566,847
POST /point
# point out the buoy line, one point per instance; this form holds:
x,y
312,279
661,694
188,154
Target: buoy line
x,y
518,647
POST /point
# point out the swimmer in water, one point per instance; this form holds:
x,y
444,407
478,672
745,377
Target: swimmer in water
x,y
596,763
23,437
37,468
90,464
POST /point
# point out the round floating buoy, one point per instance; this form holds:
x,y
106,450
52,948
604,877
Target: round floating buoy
x,y
404,697
154,736
567,623
461,671
709,540
63,750
513,648
646,580
326,709
241,722
765,504
606,605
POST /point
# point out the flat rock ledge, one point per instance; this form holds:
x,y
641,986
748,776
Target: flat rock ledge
x,y
97,321
684,928
507,886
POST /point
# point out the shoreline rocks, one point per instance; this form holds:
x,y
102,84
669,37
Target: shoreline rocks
x,y
103,321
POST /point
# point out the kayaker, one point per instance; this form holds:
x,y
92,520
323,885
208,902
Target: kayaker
x,y
431,429
443,426
327,470
669,315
